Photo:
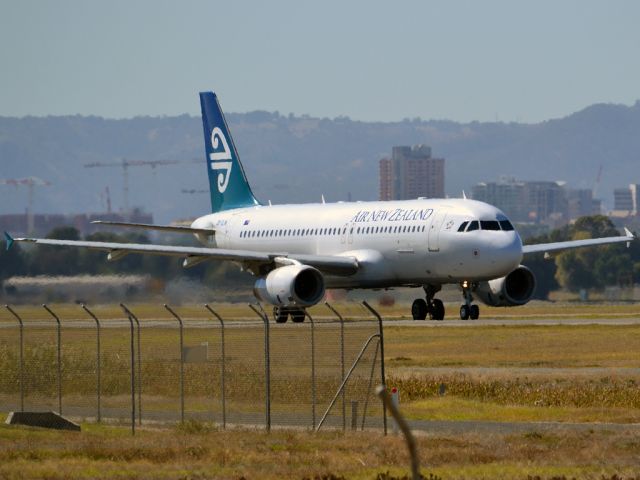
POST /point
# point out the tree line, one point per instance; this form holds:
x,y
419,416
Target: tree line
x,y
589,268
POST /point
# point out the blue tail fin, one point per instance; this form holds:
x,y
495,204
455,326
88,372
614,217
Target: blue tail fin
x,y
227,181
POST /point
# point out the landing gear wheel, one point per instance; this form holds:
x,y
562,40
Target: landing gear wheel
x,y
297,316
419,309
474,312
437,309
280,314
464,312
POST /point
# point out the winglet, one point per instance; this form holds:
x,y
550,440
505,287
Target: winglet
x,y
464,195
630,236
9,240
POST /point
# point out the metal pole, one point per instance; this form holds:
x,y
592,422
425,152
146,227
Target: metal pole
x,y
21,355
98,371
344,390
354,415
133,371
59,347
139,379
222,367
366,399
313,372
346,378
267,366
181,360
382,375
406,431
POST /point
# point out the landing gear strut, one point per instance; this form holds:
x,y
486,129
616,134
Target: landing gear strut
x,y
468,310
433,307
281,314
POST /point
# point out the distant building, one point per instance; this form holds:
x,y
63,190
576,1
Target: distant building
x,y
411,172
541,202
17,224
626,201
508,194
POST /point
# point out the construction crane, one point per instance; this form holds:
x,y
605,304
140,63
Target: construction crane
x,y
193,191
596,184
30,183
125,164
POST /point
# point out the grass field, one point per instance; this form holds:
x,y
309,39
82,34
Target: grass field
x,y
197,451
507,373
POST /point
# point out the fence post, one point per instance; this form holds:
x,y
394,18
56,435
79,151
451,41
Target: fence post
x,y
139,362
181,360
98,371
21,328
382,375
222,373
344,406
313,372
59,348
267,367
133,371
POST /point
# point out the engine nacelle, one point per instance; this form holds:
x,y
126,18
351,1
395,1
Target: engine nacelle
x,y
515,289
291,285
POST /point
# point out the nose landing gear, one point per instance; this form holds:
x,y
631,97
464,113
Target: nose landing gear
x,y
433,307
468,310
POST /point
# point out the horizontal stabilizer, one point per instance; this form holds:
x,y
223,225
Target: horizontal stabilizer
x,y
160,228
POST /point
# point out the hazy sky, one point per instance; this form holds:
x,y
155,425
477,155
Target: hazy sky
x,y
370,60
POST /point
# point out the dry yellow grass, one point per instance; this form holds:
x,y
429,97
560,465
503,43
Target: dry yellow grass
x,y
196,451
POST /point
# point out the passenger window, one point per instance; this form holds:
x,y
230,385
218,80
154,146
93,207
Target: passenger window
x,y
473,226
462,226
506,225
489,225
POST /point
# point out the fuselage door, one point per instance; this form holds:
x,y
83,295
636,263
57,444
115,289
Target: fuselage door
x,y
433,237
347,233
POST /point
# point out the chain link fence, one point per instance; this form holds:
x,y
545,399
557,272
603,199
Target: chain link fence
x,y
155,365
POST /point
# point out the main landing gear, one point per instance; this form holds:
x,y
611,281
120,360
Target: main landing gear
x,y
282,314
431,306
468,310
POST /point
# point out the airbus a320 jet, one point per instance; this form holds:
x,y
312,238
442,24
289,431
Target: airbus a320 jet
x,y
296,252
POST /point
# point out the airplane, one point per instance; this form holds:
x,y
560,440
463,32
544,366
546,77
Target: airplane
x,y
298,251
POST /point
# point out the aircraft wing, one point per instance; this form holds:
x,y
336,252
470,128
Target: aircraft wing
x,y
334,264
547,248
161,228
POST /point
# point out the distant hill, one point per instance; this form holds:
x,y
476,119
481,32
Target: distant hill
x,y
296,159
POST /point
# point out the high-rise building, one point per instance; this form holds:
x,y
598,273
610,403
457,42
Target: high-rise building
x,y
507,193
411,172
626,201
537,202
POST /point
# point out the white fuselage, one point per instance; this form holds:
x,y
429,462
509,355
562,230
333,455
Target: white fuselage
x,y
396,243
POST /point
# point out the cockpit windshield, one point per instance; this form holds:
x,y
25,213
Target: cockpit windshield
x,y
496,225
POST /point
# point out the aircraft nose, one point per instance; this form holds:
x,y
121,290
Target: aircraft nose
x,y
506,253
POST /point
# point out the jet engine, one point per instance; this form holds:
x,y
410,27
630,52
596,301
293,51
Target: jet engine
x,y
515,289
291,285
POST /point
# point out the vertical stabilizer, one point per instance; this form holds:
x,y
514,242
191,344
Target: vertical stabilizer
x,y
227,180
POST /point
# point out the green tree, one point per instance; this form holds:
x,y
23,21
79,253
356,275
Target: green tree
x,y
595,267
53,260
12,262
